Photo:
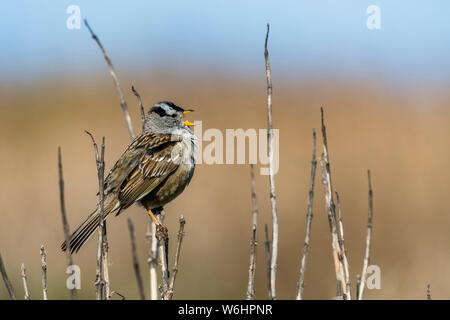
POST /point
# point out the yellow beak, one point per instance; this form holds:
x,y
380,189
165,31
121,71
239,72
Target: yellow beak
x,y
187,123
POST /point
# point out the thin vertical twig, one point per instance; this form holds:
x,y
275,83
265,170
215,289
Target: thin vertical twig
x,y
24,281
368,239
273,199
309,217
105,247
136,267
6,279
141,105
358,285
268,257
163,242
44,272
64,218
254,240
152,260
343,250
177,258
102,248
123,103
428,292
341,286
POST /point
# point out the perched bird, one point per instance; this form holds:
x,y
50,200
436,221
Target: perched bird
x,y
153,170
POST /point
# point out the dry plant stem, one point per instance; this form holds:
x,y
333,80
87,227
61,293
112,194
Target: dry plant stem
x,y
342,247
309,217
273,199
44,272
268,257
358,285
254,240
141,105
122,297
64,218
116,81
368,239
152,261
137,270
24,280
163,242
177,258
106,263
428,292
331,212
6,280
102,248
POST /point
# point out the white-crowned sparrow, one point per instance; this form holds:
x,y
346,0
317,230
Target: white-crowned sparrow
x,y
152,171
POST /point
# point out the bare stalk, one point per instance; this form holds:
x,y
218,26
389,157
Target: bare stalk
x,y
309,217
177,258
254,240
428,292
64,218
141,105
268,257
273,199
163,242
368,239
136,261
358,285
24,281
44,271
102,248
123,103
342,248
341,286
152,260
6,280
106,263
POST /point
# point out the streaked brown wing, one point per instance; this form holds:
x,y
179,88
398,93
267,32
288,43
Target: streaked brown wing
x,y
130,159
154,166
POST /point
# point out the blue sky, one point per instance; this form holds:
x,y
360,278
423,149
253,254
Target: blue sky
x,y
308,38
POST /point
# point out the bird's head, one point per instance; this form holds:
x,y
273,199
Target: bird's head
x,y
165,117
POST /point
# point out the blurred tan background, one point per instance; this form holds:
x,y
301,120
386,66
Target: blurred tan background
x,y
401,135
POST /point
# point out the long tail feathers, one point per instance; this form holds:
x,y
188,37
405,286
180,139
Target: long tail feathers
x,y
83,232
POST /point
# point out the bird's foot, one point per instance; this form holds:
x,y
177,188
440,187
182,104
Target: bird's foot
x,y
161,232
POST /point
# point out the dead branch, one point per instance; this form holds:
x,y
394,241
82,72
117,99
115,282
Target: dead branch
x,y
309,217
64,218
254,240
163,242
6,280
268,257
123,103
135,260
358,285
273,199
341,286
342,247
152,260
24,281
44,272
177,258
141,105
102,248
368,239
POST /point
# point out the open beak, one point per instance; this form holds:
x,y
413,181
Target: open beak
x,y
187,123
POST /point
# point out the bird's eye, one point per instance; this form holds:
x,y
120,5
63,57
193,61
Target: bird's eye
x,y
174,115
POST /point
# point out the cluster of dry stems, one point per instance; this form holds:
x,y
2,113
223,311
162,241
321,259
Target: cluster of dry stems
x,y
339,253
157,243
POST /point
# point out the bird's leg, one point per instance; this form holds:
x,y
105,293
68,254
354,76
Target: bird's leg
x,y
159,227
